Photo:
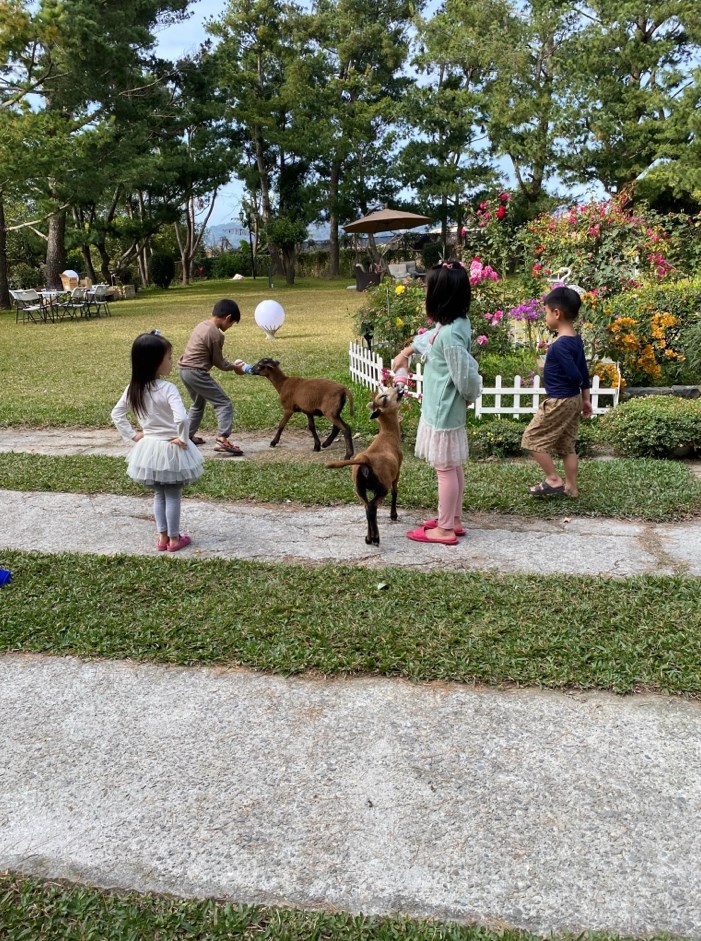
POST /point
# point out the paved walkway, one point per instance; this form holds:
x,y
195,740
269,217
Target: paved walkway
x,y
61,442
540,810
522,808
106,524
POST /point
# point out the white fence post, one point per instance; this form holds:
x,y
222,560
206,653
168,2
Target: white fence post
x,y
366,369
517,395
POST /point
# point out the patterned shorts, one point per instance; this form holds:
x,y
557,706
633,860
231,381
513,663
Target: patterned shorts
x,y
554,427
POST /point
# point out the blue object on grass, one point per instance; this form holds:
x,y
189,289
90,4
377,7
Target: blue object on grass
x,y
5,577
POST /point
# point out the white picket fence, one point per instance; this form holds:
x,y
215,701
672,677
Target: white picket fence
x,y
367,367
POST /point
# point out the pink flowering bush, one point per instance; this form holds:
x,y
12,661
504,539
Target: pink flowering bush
x,y
397,312
607,247
489,231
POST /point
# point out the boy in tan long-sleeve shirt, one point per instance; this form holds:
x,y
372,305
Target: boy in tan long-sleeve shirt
x,y
204,351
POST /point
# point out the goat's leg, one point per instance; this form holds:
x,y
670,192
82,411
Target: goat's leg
x,y
312,428
332,436
373,536
285,418
393,509
340,425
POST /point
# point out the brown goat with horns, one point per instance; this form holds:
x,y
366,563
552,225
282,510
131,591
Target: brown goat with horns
x,y
313,397
376,469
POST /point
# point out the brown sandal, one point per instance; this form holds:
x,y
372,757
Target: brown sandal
x,y
196,439
226,447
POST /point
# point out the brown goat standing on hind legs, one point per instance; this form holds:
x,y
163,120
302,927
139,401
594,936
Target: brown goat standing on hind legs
x,y
313,397
376,469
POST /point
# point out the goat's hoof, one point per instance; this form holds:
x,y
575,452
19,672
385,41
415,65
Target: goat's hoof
x,y
393,517
368,540
273,444
347,456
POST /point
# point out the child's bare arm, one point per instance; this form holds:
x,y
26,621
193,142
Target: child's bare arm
x,y
587,409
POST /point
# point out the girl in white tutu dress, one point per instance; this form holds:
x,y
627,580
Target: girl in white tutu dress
x,y
164,458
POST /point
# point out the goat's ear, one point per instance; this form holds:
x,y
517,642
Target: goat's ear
x,y
376,413
274,362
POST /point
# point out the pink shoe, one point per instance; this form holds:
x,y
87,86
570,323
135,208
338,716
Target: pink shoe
x,y
183,541
431,524
419,535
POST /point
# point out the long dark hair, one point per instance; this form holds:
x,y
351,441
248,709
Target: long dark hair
x,y
147,353
448,293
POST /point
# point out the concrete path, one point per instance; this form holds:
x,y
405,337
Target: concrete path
x,y
520,808
105,524
61,442
545,811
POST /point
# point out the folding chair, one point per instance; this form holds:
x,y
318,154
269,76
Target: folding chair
x,y
97,297
75,304
29,305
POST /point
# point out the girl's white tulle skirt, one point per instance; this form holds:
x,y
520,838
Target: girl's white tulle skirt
x,y
441,448
155,461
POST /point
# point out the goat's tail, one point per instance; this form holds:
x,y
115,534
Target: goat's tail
x,y
359,459
351,406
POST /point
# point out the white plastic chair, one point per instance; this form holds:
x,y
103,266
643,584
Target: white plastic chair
x,y
97,298
75,304
30,306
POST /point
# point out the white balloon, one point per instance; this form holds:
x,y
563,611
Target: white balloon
x,y
269,316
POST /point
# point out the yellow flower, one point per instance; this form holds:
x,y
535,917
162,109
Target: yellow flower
x,y
399,322
400,289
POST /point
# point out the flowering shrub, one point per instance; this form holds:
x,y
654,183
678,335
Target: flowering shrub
x,y
644,331
610,375
488,230
396,313
606,246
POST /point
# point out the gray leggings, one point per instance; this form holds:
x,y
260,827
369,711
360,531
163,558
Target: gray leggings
x,y
166,508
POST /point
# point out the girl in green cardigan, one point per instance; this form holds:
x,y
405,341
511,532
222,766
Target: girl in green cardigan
x,y
451,380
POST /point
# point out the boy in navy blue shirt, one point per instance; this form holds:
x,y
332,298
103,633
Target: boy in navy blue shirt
x,y
566,378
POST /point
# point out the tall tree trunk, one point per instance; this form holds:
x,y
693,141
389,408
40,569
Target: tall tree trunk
x,y
79,219
56,250
335,253
4,282
104,262
289,257
142,257
275,261
87,261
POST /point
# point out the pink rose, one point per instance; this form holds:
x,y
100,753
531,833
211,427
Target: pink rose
x,y
501,212
482,340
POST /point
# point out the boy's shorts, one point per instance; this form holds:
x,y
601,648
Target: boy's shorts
x,y
554,427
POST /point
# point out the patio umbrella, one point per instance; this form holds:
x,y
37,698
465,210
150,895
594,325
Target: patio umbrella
x,y
386,220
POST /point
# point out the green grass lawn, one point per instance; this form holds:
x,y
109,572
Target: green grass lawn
x,y
549,631
628,489
72,373
31,910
